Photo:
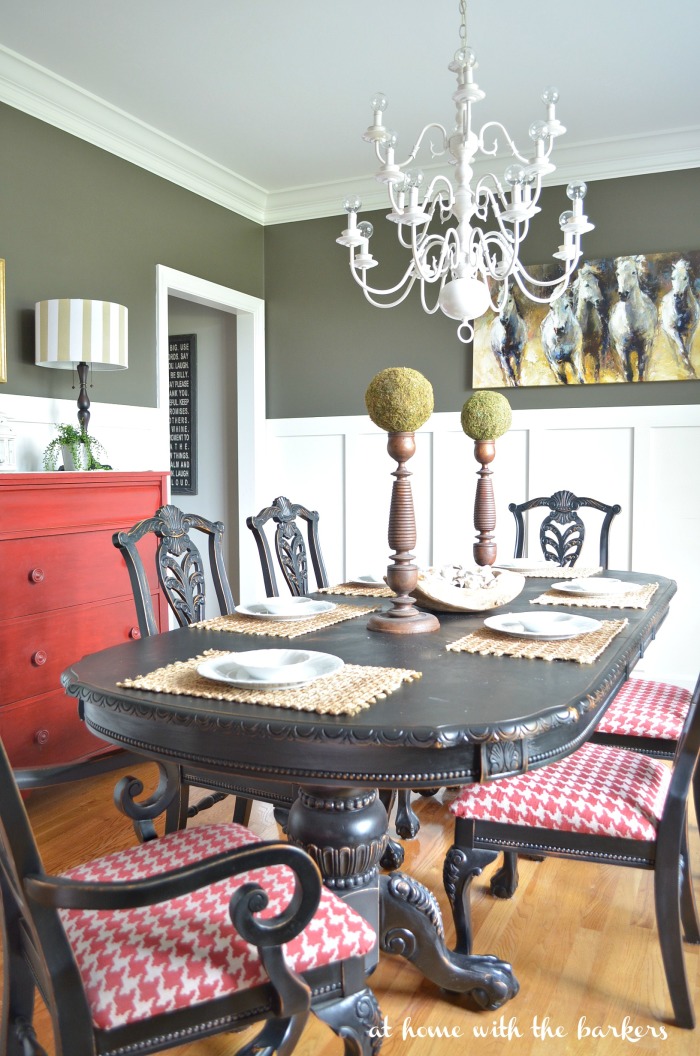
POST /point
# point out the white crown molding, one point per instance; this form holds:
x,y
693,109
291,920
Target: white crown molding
x,y
36,91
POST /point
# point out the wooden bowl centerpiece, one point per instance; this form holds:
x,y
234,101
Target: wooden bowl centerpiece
x,y
454,588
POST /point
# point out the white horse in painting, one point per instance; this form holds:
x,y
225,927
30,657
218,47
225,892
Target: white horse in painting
x,y
589,305
561,341
632,320
508,335
680,312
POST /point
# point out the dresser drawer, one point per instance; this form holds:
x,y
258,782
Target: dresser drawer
x,y
66,569
37,649
46,731
38,503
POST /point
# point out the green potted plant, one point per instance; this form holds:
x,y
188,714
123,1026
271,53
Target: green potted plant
x,y
77,449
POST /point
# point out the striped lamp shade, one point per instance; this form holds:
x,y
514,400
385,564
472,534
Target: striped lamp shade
x,y
70,331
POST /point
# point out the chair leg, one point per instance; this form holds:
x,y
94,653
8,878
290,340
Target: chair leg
x,y
668,923
16,1032
242,810
407,823
352,1018
504,882
462,864
689,910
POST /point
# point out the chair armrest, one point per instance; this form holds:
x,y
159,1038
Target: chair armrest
x,y
65,893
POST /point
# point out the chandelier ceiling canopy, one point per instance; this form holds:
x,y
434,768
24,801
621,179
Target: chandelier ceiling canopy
x,y
464,237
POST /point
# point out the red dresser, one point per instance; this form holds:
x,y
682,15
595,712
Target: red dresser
x,y
65,593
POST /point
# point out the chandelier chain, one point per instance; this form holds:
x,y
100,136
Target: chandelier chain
x,y
463,22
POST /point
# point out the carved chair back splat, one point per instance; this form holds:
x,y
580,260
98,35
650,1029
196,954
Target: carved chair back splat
x,y
562,531
179,563
291,551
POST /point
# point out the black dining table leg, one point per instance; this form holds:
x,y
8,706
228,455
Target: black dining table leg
x,y
345,831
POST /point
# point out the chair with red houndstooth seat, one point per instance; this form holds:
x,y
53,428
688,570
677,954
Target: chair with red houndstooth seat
x,y
601,804
206,930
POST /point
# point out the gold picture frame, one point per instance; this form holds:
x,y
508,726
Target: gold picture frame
x,y
3,344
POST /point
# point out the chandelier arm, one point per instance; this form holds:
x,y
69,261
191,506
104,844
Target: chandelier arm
x,y
433,273
416,148
408,277
509,140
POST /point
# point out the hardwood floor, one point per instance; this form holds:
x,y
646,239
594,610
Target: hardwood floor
x,y
582,939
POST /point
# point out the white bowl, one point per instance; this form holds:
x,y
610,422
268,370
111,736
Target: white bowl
x,y
269,665
287,606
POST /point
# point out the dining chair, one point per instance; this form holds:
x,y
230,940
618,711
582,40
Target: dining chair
x,y
645,716
181,575
562,532
292,551
601,804
203,931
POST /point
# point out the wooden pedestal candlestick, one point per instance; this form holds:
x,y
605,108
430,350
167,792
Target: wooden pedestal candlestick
x,y
402,573
484,504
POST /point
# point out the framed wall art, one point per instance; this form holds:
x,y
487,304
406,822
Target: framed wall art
x,y
182,361
627,319
3,332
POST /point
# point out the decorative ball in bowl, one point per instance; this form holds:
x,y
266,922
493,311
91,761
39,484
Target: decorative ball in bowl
x,y
456,588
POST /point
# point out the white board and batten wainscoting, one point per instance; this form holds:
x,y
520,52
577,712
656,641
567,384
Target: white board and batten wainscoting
x,y
647,459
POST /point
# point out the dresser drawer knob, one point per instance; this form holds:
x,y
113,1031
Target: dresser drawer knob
x,y
41,737
37,575
39,658
135,633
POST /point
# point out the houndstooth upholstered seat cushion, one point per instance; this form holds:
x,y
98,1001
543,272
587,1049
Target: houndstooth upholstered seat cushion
x,y
647,709
598,789
140,962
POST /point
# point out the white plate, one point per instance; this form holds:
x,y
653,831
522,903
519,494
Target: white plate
x,y
524,564
368,581
552,626
294,609
227,669
596,586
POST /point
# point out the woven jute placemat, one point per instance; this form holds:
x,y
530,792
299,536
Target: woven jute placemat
x,y
241,624
346,692
584,648
633,599
359,590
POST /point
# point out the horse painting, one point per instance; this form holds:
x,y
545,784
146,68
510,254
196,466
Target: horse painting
x,y
632,320
589,305
508,337
562,341
680,312
629,318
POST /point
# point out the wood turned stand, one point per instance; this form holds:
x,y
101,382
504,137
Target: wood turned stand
x,y
484,504
402,574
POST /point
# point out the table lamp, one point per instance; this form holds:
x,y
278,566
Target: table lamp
x,y
82,334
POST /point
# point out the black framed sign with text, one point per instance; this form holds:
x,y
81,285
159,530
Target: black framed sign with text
x,y
182,362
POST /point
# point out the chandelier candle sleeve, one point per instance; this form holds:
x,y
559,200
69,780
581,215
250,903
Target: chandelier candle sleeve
x,y
464,233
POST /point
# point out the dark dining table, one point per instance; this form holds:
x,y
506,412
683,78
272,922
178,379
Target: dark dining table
x,y
469,717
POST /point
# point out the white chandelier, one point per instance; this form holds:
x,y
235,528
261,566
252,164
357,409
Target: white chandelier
x,y
471,266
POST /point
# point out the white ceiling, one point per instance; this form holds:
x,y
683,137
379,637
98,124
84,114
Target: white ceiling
x,y
260,104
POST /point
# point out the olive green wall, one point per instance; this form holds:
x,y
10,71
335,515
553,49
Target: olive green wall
x,y
76,221
325,342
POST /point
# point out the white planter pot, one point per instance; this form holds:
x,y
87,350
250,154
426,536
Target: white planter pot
x,y
68,462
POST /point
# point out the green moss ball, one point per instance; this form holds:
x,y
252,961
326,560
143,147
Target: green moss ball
x,y
486,415
399,399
